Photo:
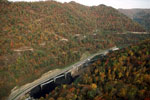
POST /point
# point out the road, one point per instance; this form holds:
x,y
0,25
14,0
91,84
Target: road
x,y
16,94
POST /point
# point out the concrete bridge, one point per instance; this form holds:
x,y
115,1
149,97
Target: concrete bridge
x,y
44,88
58,78
66,77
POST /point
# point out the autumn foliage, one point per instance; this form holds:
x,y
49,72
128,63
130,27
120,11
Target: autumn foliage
x,y
36,37
125,76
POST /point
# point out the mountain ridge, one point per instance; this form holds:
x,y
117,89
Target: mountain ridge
x,y
142,16
36,37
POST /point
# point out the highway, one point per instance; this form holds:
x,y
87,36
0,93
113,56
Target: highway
x,y
16,94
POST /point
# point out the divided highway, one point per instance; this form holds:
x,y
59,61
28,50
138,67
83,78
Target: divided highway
x,y
16,94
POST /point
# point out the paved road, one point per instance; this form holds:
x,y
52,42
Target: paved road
x,y
15,95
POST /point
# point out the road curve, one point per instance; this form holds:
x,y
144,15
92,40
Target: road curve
x,y
16,94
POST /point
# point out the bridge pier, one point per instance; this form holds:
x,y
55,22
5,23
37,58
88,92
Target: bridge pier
x,y
54,79
58,77
65,75
46,83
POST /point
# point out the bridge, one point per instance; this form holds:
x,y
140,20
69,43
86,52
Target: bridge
x,y
63,74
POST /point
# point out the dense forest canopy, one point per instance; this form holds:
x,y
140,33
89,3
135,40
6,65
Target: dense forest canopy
x,y
3,1
122,75
37,37
144,19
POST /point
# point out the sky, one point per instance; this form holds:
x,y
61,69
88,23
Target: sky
x,y
126,4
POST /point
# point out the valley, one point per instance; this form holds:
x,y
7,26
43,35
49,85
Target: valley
x,y
142,16
38,37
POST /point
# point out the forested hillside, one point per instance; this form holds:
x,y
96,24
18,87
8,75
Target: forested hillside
x,y
121,75
142,16
36,37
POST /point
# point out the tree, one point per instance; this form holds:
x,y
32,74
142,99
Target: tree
x,y
2,1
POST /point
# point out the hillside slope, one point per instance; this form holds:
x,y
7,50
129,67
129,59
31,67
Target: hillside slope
x,y
132,12
142,16
37,37
123,74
